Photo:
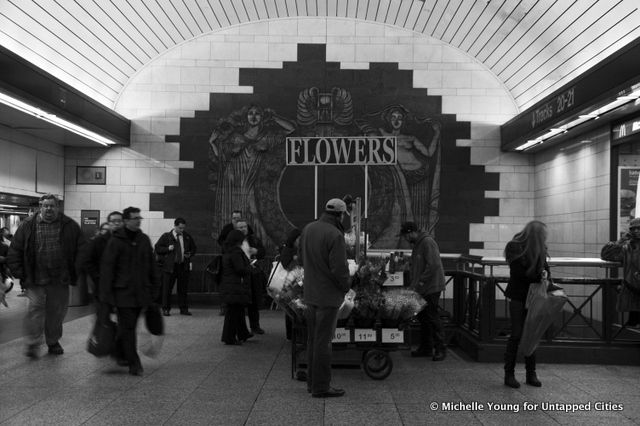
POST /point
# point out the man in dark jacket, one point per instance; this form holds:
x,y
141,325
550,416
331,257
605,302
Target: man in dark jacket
x,y
235,216
258,277
174,251
43,256
129,281
326,281
427,279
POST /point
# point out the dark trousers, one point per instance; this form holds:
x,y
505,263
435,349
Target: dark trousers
x,y
431,330
258,284
235,325
126,335
181,275
321,326
518,315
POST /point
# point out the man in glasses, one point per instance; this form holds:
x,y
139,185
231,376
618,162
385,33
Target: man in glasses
x,y
129,281
43,256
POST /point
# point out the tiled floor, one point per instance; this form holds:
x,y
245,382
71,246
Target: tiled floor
x,y
197,380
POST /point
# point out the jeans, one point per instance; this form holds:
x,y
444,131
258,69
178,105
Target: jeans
x,y
48,306
321,326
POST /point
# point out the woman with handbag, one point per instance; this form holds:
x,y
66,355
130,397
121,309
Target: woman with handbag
x,y
235,287
527,256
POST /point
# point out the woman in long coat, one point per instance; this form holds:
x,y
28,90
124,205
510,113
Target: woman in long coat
x,y
235,288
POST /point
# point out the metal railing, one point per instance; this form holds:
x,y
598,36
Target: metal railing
x,y
479,307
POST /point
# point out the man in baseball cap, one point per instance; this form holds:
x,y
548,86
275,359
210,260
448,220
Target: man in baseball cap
x,y
427,279
335,205
324,256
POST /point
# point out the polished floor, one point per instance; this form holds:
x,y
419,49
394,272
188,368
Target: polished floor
x,y
197,380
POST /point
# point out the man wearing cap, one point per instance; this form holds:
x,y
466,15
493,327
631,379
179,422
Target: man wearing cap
x,y
324,258
427,278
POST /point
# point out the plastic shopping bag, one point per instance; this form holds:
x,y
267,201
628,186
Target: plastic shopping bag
x,y
277,277
347,305
542,308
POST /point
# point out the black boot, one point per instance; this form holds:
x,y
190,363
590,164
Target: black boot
x,y
530,365
510,365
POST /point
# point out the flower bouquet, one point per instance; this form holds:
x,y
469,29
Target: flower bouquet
x,y
368,288
400,304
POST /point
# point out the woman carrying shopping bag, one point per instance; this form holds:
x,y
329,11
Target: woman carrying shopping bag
x,y
527,256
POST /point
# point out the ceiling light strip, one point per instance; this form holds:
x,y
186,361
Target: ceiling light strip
x,y
54,119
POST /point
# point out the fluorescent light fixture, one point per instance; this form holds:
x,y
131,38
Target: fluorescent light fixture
x,y
54,119
8,206
528,144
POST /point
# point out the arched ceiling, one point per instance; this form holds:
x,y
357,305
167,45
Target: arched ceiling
x,y
532,46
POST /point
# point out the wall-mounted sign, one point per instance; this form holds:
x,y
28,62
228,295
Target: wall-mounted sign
x,y
89,222
91,175
625,129
344,150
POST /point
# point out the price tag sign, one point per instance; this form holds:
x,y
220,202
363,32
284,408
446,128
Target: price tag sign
x,y
392,335
364,335
341,335
396,279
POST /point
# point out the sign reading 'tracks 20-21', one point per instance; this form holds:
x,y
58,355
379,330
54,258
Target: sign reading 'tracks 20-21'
x,y
342,150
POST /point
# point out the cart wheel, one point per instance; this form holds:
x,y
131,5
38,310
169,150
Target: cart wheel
x,y
377,364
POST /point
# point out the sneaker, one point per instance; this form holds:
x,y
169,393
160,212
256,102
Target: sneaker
x,y
166,312
56,349
185,312
257,330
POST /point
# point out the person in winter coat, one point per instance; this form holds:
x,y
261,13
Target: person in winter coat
x,y
43,255
326,280
235,287
129,281
427,279
527,256
627,251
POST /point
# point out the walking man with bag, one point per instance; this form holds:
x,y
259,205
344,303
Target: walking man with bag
x,y
174,250
129,281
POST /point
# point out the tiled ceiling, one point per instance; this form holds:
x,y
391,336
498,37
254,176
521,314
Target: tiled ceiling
x,y
532,46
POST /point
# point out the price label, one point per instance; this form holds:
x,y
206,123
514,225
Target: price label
x,y
341,335
392,335
396,279
364,335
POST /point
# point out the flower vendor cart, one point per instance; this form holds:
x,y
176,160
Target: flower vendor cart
x,y
373,321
